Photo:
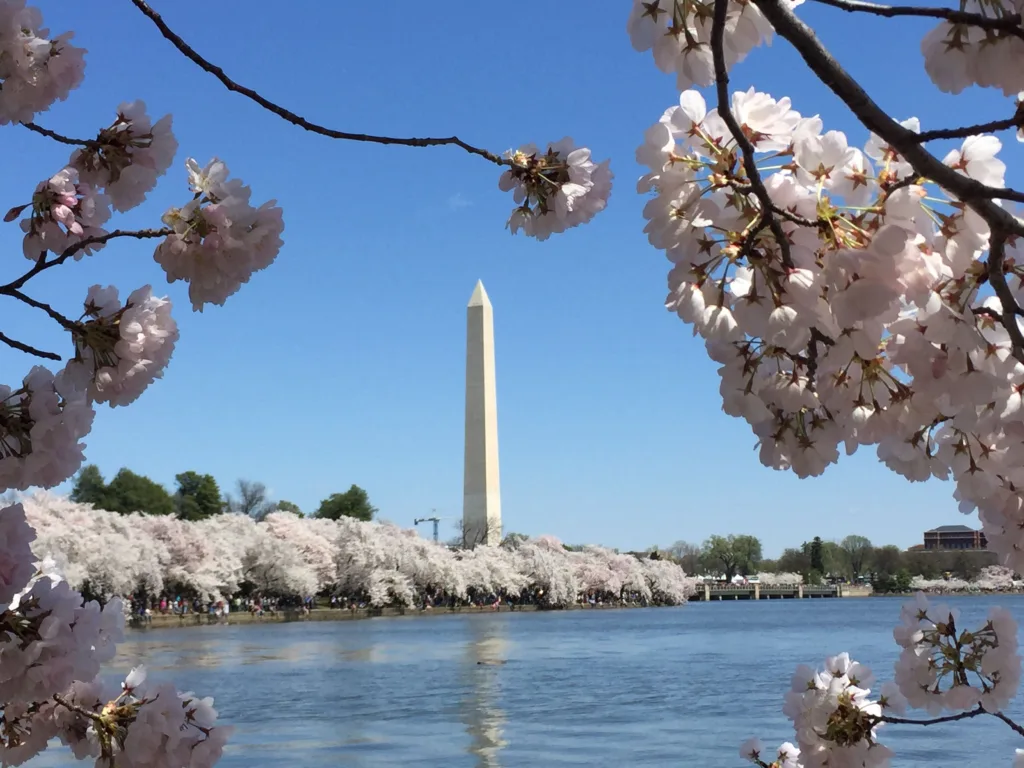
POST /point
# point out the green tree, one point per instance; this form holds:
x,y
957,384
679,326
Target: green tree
x,y
90,487
814,552
795,561
887,560
748,553
197,497
858,553
834,559
355,502
288,506
731,554
129,492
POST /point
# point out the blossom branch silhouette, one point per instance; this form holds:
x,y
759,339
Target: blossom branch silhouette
x,y
43,264
59,137
1010,23
27,348
286,114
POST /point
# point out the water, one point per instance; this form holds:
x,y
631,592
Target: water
x,y
650,687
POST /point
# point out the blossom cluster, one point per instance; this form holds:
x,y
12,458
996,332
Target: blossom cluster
x,y
127,157
958,55
119,350
218,239
678,33
992,578
288,555
554,190
941,668
945,667
35,70
53,644
215,243
40,442
869,323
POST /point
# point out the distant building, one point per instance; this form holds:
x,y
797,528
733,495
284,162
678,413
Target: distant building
x,y
947,537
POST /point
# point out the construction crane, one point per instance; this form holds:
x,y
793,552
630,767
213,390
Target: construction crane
x,y
434,519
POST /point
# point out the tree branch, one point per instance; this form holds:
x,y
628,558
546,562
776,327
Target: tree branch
x,y
290,116
935,720
973,130
997,279
42,265
1010,24
971,192
27,348
58,137
64,322
725,112
1009,722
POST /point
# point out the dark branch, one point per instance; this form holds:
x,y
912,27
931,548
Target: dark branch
x,y
1009,722
290,116
1010,24
42,265
997,278
725,112
64,322
973,130
28,348
58,137
935,720
973,193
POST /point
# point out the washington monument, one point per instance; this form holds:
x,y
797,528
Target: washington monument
x,y
481,501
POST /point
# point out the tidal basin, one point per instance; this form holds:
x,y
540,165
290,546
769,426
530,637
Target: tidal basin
x,y
623,688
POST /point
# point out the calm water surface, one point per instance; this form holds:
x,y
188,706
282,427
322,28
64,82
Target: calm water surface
x,y
651,687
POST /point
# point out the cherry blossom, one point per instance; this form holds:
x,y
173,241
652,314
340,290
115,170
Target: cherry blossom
x,y
554,190
35,70
42,429
63,213
119,350
219,240
127,157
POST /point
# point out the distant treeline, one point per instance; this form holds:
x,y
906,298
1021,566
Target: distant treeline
x,y
854,558
197,497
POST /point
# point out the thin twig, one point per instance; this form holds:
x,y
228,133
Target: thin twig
x,y
997,279
1010,24
42,265
973,130
58,137
1009,722
973,193
77,709
290,116
64,322
28,348
935,720
725,112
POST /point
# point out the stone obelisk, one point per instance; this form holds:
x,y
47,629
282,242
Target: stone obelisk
x,y
481,502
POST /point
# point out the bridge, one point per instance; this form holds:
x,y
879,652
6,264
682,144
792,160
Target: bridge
x,y
709,592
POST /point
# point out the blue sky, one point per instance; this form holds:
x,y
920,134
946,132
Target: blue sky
x,y
344,362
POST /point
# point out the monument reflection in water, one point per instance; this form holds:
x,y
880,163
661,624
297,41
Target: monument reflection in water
x,y
485,656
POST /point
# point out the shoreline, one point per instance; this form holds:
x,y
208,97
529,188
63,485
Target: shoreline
x,y
192,620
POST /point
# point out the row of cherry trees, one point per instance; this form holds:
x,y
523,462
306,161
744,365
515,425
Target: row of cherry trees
x,y
114,554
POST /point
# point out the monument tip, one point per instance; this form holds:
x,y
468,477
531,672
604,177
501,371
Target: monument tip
x,y
479,297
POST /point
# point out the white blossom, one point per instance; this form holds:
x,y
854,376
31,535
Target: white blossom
x,y
554,190
35,70
219,239
127,157
119,350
